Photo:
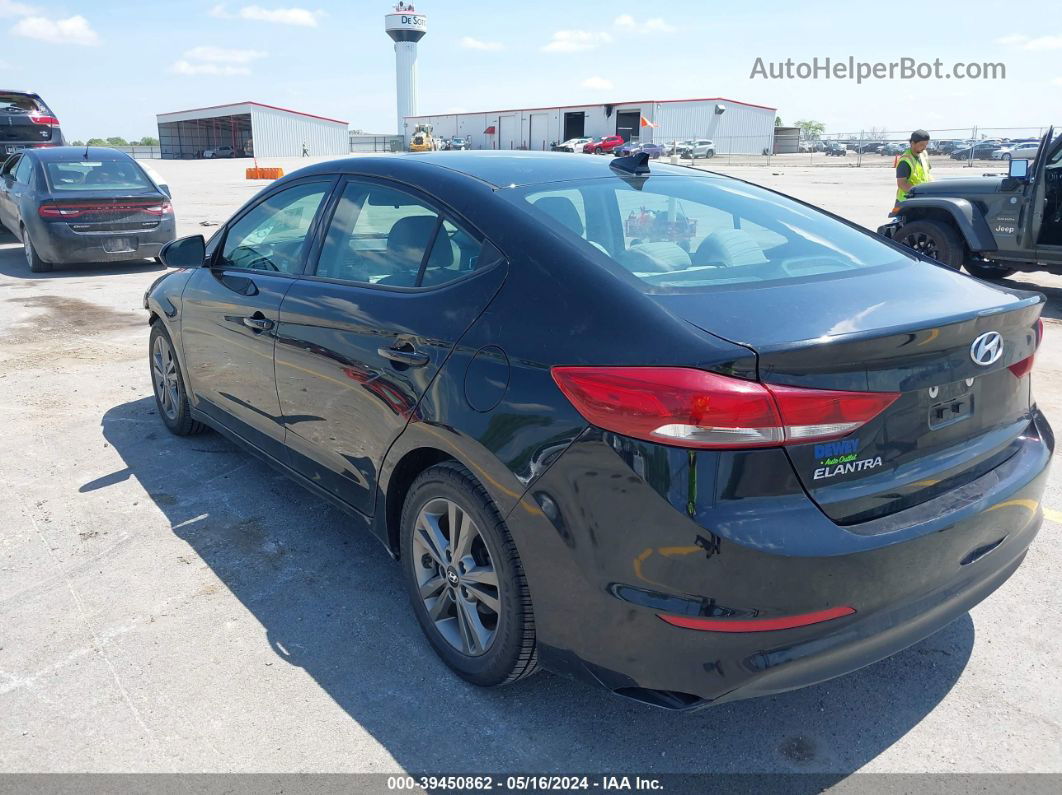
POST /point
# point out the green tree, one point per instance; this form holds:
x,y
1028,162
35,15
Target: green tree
x,y
147,140
117,140
77,143
96,142
777,121
811,129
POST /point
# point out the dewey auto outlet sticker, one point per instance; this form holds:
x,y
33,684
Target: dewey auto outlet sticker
x,y
841,458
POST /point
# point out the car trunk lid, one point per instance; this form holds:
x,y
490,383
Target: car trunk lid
x,y
907,329
26,120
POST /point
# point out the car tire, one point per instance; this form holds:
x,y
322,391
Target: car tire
x,y
934,239
33,259
709,154
500,648
988,272
171,399
1005,156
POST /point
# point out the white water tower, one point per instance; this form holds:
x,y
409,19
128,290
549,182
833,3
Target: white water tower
x,y
406,27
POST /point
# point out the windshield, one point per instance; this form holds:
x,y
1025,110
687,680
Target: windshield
x,y
86,175
675,233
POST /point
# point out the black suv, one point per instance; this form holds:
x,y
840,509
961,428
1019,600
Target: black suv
x,y
992,225
26,122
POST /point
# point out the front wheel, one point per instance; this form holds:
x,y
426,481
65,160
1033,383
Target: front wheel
x,y
465,580
709,154
935,239
988,272
171,395
1006,156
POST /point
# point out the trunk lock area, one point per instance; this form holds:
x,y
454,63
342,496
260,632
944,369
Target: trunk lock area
x,y
952,403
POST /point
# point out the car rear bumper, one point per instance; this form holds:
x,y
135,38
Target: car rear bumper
x,y
56,242
616,534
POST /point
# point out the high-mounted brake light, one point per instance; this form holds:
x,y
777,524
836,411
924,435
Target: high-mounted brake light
x,y
695,408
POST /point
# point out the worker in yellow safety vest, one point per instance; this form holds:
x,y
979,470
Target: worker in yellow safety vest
x,y
913,166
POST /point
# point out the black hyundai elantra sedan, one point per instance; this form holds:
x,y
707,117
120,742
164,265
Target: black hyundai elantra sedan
x,y
655,428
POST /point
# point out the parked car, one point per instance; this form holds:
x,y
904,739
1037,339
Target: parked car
x,y
751,505
653,150
459,143
572,145
219,151
980,151
78,204
992,226
836,149
1022,151
604,146
895,148
26,122
701,147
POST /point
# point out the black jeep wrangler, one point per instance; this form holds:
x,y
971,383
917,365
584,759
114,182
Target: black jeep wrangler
x,y
991,225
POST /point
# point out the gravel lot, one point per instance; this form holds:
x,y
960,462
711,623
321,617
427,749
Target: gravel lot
x,y
173,605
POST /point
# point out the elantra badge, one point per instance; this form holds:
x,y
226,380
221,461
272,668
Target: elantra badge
x,y
987,348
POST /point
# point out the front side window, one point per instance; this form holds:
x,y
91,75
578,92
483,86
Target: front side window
x,y
23,171
675,232
272,236
86,175
386,237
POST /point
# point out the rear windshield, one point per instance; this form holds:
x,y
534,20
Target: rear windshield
x,y
85,175
675,233
13,102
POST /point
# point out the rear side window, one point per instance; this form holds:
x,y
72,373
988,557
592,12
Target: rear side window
x,y
23,171
87,175
675,233
383,236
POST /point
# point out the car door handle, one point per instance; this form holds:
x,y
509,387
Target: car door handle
x,y
258,323
406,355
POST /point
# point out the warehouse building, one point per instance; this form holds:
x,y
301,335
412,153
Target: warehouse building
x,y
252,130
734,126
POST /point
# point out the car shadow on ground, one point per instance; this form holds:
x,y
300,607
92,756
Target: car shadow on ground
x,y
13,263
332,603
1053,308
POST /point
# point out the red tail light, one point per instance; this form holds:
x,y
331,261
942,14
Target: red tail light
x,y
1025,366
159,209
66,211
40,118
694,408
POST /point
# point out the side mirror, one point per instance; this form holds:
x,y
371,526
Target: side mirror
x,y
185,252
1019,169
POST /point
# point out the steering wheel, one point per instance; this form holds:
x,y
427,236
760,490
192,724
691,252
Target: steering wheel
x,y
255,259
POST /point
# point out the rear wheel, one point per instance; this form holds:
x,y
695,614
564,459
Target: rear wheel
x,y
465,580
1006,155
33,259
934,239
983,270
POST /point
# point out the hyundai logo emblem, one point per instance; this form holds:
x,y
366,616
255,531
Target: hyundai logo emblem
x,y
987,348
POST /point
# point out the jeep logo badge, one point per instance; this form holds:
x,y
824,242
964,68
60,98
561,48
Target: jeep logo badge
x,y
987,348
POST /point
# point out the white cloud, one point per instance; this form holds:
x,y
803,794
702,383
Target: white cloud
x,y
470,43
73,30
183,67
300,17
597,83
12,9
222,55
1026,43
576,40
1057,81
654,25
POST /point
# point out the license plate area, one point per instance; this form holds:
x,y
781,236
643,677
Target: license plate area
x,y
119,245
954,403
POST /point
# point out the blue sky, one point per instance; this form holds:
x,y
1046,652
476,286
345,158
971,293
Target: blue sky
x,y
107,67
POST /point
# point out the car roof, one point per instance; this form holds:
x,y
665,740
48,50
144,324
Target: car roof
x,y
64,154
501,169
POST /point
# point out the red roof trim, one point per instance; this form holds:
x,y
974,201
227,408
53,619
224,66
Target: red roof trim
x,y
595,104
258,104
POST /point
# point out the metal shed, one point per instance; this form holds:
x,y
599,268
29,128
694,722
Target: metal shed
x,y
734,126
252,129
